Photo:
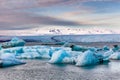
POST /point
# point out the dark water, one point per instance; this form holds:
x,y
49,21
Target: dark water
x,y
42,70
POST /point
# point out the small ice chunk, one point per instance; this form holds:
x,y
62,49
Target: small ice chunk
x,y
78,48
106,48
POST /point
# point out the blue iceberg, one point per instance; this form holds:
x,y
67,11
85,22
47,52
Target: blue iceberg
x,y
58,56
8,59
87,58
13,43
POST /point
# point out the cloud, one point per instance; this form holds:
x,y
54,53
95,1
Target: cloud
x,y
83,15
14,20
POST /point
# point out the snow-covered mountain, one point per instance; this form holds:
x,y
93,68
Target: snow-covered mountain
x,y
59,31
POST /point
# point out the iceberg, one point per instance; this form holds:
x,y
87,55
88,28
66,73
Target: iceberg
x,y
8,59
13,43
87,58
58,56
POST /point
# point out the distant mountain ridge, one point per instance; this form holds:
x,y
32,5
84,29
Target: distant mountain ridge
x,y
59,31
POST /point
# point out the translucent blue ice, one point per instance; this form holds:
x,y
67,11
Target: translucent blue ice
x,y
58,56
82,57
9,59
17,42
13,43
87,58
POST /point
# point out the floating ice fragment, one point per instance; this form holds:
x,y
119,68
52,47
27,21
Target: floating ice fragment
x,y
78,48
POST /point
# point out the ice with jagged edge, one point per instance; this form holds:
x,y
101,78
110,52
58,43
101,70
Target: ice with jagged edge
x,y
89,56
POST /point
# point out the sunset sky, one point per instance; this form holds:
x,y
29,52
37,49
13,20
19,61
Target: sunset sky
x,y
29,14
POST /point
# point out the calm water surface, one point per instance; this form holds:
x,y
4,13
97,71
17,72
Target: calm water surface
x,y
42,70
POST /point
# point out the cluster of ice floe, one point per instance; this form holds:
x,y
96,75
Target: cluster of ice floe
x,y
74,54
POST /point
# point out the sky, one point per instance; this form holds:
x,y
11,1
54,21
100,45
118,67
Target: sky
x,y
20,15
